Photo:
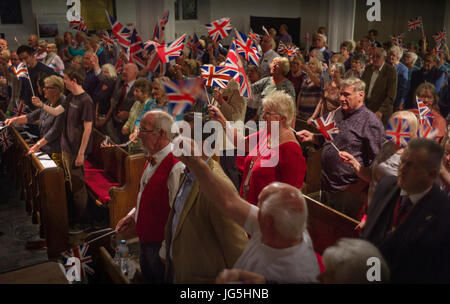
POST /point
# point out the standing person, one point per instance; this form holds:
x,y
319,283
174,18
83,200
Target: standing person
x,y
372,35
381,86
76,142
50,127
395,54
284,35
53,60
159,185
142,96
361,134
267,46
200,240
357,67
296,75
310,91
408,217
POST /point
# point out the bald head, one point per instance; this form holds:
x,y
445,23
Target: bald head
x,y
130,72
285,205
33,41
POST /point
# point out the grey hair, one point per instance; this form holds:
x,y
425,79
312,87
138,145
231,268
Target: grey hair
x,y
347,261
282,103
289,222
435,152
340,68
413,55
397,50
322,36
284,62
319,54
357,84
111,69
163,121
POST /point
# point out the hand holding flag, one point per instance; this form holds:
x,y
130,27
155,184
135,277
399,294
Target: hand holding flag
x,y
327,126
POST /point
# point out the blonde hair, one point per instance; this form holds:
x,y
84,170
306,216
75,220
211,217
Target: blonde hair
x,y
429,86
411,119
281,103
284,63
55,81
317,63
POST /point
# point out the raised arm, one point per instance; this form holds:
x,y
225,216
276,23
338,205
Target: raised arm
x,y
214,188
50,110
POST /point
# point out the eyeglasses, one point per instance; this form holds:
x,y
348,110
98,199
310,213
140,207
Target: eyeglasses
x,y
141,130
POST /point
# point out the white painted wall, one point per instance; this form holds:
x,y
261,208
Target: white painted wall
x,y
21,31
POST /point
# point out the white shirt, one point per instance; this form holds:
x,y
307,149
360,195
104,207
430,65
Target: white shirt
x,y
373,79
296,264
172,182
129,86
415,198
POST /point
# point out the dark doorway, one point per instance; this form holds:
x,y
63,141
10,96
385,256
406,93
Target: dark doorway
x,y
293,24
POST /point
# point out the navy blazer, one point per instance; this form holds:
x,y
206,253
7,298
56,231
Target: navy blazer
x,y
418,251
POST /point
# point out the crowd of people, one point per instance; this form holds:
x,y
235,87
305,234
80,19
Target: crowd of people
x,y
201,219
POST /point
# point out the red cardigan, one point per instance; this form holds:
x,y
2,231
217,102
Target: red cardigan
x,y
291,168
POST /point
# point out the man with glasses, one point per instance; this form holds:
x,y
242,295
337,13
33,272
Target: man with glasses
x,y
159,184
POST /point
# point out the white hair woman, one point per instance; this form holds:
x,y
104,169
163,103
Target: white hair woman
x,y
50,127
347,263
272,154
279,68
53,60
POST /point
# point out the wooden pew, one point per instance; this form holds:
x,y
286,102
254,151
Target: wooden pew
x,y
326,225
117,166
43,188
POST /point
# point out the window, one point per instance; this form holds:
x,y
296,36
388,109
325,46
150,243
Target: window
x,y
10,12
187,9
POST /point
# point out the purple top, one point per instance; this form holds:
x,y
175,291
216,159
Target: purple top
x,y
361,134
286,38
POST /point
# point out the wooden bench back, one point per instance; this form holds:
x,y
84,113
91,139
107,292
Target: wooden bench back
x,y
109,159
326,225
43,190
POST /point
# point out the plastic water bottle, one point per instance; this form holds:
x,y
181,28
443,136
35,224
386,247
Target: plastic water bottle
x,y
123,254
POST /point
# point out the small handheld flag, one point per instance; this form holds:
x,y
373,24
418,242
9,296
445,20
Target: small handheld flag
x,y
219,29
398,132
327,125
183,94
217,76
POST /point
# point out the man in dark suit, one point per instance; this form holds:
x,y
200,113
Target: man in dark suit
x,y
408,218
121,102
381,86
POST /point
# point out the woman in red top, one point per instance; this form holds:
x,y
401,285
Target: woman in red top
x,y
273,153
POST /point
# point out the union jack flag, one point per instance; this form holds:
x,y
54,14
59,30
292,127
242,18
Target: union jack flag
x,y
107,40
171,51
255,37
154,63
137,50
20,70
121,32
397,39
183,94
119,65
18,109
425,114
247,48
82,253
219,29
106,143
5,140
158,33
234,63
440,36
292,51
195,45
427,131
78,25
326,125
415,23
217,76
282,48
438,50
398,132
